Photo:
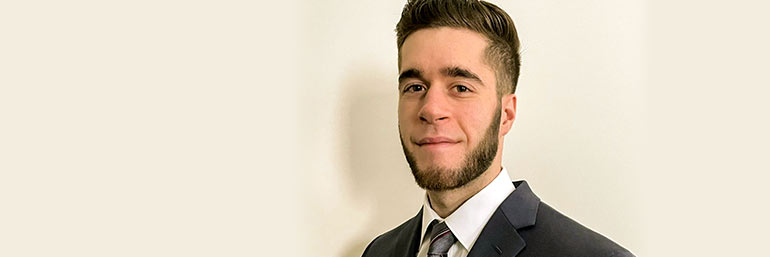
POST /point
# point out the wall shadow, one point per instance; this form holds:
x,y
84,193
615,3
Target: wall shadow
x,y
378,173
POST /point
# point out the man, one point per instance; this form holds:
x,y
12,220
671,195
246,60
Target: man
x,y
458,69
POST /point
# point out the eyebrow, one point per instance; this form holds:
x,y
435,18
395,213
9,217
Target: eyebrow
x,y
410,74
455,71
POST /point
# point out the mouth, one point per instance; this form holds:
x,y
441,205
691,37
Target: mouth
x,y
435,142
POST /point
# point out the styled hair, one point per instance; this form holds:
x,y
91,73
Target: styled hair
x,y
502,53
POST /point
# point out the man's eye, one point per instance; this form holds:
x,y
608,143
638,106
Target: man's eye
x,y
414,88
462,89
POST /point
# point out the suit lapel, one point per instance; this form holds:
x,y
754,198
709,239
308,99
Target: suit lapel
x,y
408,240
499,236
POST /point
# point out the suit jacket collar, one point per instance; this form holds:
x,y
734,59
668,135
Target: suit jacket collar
x,y
409,242
499,236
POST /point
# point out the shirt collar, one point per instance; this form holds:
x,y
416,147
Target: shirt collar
x,y
470,218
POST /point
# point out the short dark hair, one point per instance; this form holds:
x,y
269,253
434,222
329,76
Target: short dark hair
x,y
485,18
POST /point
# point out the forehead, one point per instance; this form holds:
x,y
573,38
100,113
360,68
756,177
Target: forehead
x,y
432,49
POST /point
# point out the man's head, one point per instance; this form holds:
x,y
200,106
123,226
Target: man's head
x,y
482,17
458,67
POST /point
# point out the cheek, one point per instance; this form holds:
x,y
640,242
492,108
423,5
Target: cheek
x,y
403,121
406,112
475,124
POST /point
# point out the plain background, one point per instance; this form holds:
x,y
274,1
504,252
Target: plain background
x,y
240,128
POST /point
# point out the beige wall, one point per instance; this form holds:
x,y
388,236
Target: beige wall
x,y
231,128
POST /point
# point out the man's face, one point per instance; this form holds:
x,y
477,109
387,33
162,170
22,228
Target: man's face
x,y
448,112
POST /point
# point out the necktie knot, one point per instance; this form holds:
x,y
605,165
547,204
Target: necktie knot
x,y
441,240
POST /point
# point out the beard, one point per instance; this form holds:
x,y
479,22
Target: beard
x,y
435,178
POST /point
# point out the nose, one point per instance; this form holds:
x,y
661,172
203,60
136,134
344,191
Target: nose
x,y
434,107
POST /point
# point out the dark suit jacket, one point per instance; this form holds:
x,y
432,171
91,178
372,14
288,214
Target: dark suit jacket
x,y
521,226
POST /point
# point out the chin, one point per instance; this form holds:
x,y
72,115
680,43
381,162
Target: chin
x,y
446,161
441,165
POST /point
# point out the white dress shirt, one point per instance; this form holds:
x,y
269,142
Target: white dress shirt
x,y
470,218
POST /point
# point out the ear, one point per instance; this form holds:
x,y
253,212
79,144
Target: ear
x,y
508,113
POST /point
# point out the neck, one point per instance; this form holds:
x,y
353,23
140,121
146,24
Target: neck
x,y
446,202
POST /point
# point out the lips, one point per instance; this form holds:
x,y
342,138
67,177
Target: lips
x,y
435,141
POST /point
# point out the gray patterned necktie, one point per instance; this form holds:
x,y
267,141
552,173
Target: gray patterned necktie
x,y
441,240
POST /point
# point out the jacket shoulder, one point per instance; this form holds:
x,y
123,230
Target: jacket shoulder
x,y
555,234
386,243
